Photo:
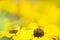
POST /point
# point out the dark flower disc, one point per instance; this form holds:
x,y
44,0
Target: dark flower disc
x,y
38,32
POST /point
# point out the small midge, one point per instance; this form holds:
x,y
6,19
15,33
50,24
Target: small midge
x,y
13,31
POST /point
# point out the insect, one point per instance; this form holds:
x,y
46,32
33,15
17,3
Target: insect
x,y
38,32
13,31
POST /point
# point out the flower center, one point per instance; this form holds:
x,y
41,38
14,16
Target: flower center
x,y
38,32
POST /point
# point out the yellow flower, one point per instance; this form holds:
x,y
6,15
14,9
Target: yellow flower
x,y
27,33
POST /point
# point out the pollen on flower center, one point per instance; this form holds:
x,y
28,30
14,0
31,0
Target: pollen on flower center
x,y
38,32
